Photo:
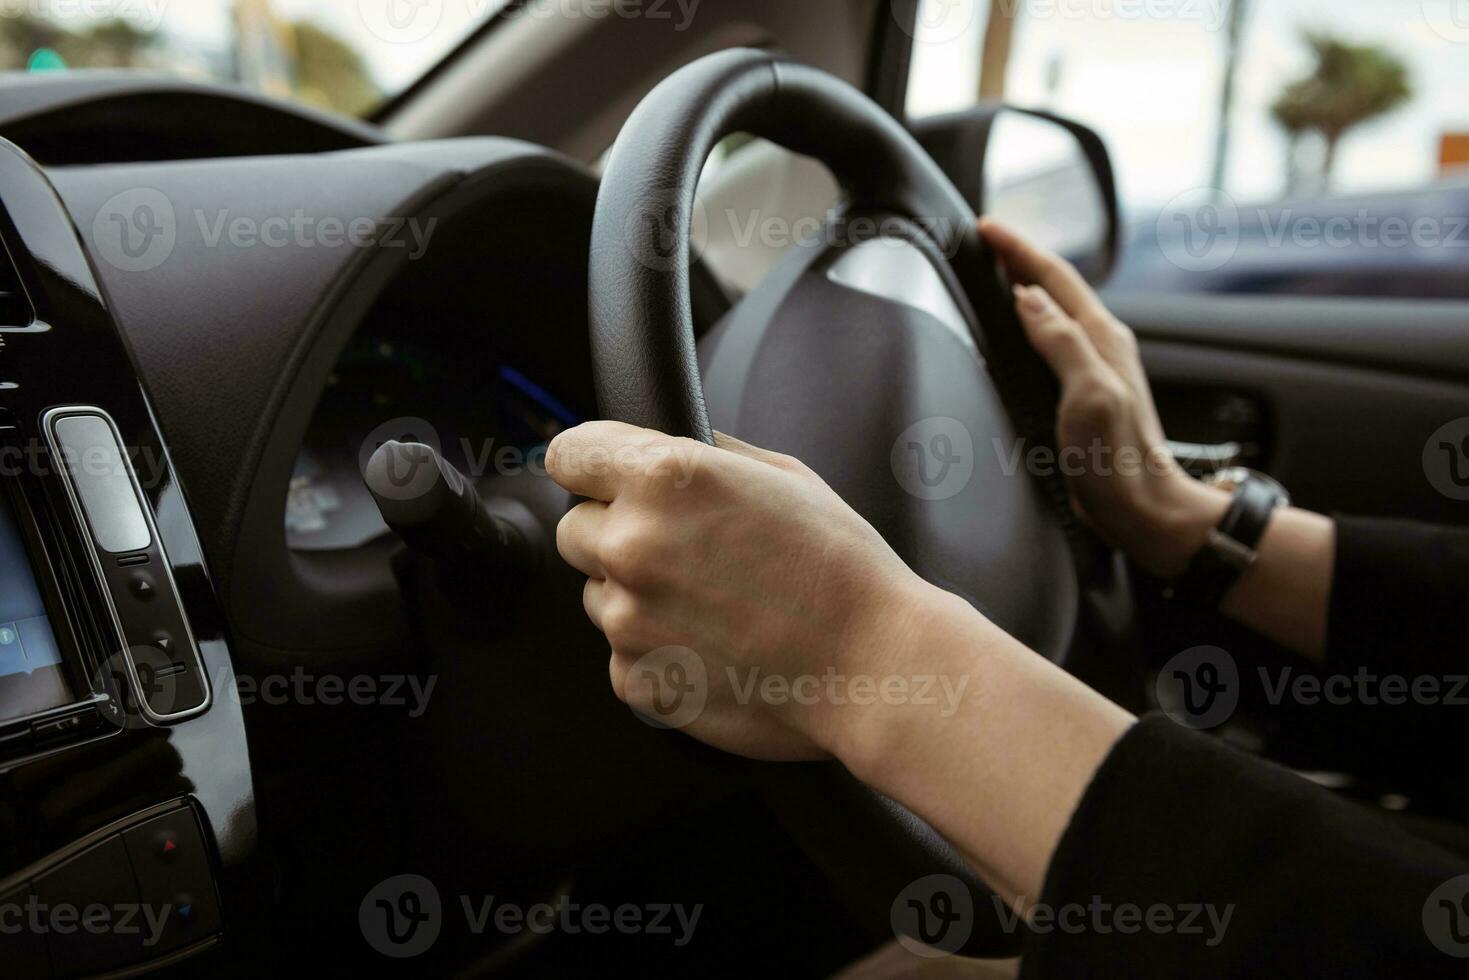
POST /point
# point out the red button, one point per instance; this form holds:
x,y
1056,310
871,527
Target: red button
x,y
165,846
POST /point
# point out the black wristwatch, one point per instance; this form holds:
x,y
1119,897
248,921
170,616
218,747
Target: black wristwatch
x,y
1230,550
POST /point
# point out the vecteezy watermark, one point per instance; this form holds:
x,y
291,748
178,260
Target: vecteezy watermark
x,y
1202,230
662,225
1446,459
1209,13
1100,917
128,919
1446,917
933,916
943,21
1199,230
1449,19
678,14
407,21
1364,687
1201,688
34,458
671,687
301,230
412,475
413,21
409,476
1096,459
144,15
138,230
667,688
777,232
933,459
936,21
403,917
838,689
673,921
159,675
409,693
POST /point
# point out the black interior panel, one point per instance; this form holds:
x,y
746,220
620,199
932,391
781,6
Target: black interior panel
x,y
1346,393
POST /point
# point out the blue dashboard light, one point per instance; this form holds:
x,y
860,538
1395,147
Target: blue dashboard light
x,y
540,396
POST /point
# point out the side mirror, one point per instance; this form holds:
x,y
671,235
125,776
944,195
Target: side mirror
x,y
1048,177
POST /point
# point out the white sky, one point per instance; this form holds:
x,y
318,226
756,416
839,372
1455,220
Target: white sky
x,y
1147,75
395,61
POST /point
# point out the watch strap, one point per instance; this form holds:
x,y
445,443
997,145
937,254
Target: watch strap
x,y
1230,549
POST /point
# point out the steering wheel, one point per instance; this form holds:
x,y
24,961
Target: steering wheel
x,y
885,353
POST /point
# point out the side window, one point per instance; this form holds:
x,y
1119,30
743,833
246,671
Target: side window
x,y
1287,147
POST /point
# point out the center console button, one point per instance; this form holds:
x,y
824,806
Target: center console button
x,y
172,864
169,685
103,480
142,586
91,914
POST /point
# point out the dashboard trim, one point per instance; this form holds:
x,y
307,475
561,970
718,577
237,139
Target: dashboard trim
x,y
48,424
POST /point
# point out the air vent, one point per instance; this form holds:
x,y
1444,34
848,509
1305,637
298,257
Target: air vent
x,y
15,306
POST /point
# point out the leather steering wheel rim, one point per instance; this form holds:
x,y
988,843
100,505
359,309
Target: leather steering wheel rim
x,y
642,329
641,313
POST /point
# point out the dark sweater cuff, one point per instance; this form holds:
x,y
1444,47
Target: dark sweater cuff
x,y
1188,858
1397,597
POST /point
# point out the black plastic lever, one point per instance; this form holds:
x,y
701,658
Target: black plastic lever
x,y
437,511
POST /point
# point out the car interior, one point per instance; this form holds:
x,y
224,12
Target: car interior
x,y
242,677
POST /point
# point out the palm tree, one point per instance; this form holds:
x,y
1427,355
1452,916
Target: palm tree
x,y
331,73
22,34
1350,84
114,43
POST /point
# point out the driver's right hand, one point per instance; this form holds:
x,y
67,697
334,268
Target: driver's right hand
x,y
1124,482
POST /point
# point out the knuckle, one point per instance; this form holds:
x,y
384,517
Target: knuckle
x,y
617,670
624,553
789,464
1122,337
1061,335
1064,332
658,466
565,534
1096,401
621,618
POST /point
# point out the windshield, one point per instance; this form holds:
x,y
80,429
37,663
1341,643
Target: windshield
x,y
345,55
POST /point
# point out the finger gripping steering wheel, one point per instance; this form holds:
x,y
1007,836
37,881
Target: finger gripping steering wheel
x,y
826,315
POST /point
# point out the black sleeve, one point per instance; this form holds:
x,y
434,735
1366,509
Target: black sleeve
x,y
1398,617
1245,870
1398,598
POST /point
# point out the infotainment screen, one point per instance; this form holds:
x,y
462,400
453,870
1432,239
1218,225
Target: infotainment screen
x,y
32,676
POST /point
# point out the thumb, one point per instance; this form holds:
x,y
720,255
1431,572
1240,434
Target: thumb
x,y
739,448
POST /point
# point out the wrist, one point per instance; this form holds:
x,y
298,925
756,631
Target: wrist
x,y
929,649
1176,527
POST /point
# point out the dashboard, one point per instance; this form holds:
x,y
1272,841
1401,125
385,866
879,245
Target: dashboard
x,y
487,417
238,390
